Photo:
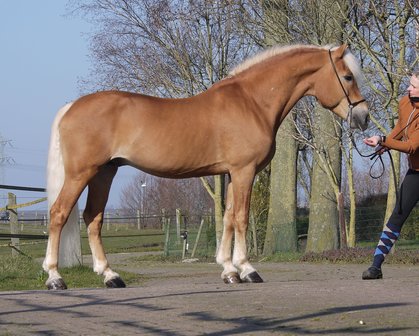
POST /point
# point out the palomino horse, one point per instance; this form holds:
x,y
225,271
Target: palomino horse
x,y
228,129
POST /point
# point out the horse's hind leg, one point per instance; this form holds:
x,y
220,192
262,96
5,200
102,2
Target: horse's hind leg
x,y
99,188
230,273
59,214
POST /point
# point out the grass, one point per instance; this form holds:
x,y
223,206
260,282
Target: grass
x,y
114,241
23,273
405,252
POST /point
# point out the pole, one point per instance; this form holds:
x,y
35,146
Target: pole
x,y
178,223
14,226
197,238
166,240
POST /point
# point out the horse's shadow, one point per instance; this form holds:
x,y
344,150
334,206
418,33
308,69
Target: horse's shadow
x,y
137,307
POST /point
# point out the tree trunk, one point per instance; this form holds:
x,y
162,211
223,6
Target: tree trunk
x,y
281,232
323,233
219,193
351,232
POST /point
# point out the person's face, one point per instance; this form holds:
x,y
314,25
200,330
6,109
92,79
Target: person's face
x,y
413,88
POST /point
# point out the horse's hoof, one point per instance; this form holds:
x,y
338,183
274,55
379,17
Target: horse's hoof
x,y
115,283
253,277
232,278
56,284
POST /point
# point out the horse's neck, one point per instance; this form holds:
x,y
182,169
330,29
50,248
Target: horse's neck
x,y
277,86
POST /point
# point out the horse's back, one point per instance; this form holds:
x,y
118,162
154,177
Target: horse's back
x,y
162,136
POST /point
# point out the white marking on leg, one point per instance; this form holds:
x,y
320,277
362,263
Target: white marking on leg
x,y
53,273
224,250
99,266
47,261
240,259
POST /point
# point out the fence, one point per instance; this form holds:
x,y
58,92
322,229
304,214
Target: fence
x,y
172,234
370,221
181,234
10,218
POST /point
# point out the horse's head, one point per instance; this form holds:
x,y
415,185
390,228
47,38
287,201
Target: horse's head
x,y
336,89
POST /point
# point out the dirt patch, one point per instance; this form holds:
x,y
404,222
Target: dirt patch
x,y
190,299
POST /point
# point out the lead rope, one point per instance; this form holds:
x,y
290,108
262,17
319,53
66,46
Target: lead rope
x,y
376,156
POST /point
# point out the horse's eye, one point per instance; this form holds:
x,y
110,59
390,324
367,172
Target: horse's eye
x,y
348,78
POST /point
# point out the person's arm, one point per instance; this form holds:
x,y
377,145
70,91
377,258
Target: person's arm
x,y
409,146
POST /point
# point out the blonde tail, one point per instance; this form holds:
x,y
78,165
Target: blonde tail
x,y
70,247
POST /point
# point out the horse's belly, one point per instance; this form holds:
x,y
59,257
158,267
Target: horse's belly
x,y
172,163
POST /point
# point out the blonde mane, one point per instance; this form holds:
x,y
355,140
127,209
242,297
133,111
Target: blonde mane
x,y
348,57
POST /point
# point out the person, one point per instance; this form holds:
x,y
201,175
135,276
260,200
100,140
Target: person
x,y
404,138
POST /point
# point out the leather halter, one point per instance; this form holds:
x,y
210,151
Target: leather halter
x,y
351,105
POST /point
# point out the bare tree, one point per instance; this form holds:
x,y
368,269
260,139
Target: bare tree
x,y
281,231
385,33
166,48
149,195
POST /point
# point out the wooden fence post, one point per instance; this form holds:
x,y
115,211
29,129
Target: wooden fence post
x,y
178,223
14,226
167,236
198,236
138,220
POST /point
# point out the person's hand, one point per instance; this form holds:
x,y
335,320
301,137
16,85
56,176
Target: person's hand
x,y
381,149
372,141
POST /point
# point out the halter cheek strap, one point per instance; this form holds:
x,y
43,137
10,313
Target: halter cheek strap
x,y
351,105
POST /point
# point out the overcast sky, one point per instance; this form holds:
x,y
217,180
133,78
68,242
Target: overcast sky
x,y
44,53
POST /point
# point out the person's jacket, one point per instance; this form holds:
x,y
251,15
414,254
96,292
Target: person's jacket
x,y
406,140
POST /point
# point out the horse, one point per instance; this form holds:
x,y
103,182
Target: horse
x,y
228,129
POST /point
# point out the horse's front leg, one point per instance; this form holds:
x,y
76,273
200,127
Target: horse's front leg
x,y
230,273
242,185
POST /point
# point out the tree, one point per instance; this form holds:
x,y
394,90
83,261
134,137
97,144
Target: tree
x,y
386,34
149,195
323,217
281,231
169,49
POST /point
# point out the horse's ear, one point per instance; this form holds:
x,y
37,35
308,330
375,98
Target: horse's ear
x,y
341,50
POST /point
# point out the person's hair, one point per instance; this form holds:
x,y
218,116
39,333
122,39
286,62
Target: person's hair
x,y
416,73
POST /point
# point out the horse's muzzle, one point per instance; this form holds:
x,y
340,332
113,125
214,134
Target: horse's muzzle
x,y
360,118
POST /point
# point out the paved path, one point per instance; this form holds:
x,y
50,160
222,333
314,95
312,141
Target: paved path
x,y
190,299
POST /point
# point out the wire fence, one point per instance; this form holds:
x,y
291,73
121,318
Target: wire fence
x,y
370,222
190,236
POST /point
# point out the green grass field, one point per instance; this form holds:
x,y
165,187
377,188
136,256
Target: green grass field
x,y
24,272
123,239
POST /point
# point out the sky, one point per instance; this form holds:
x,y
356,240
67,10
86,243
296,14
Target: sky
x,y
44,55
